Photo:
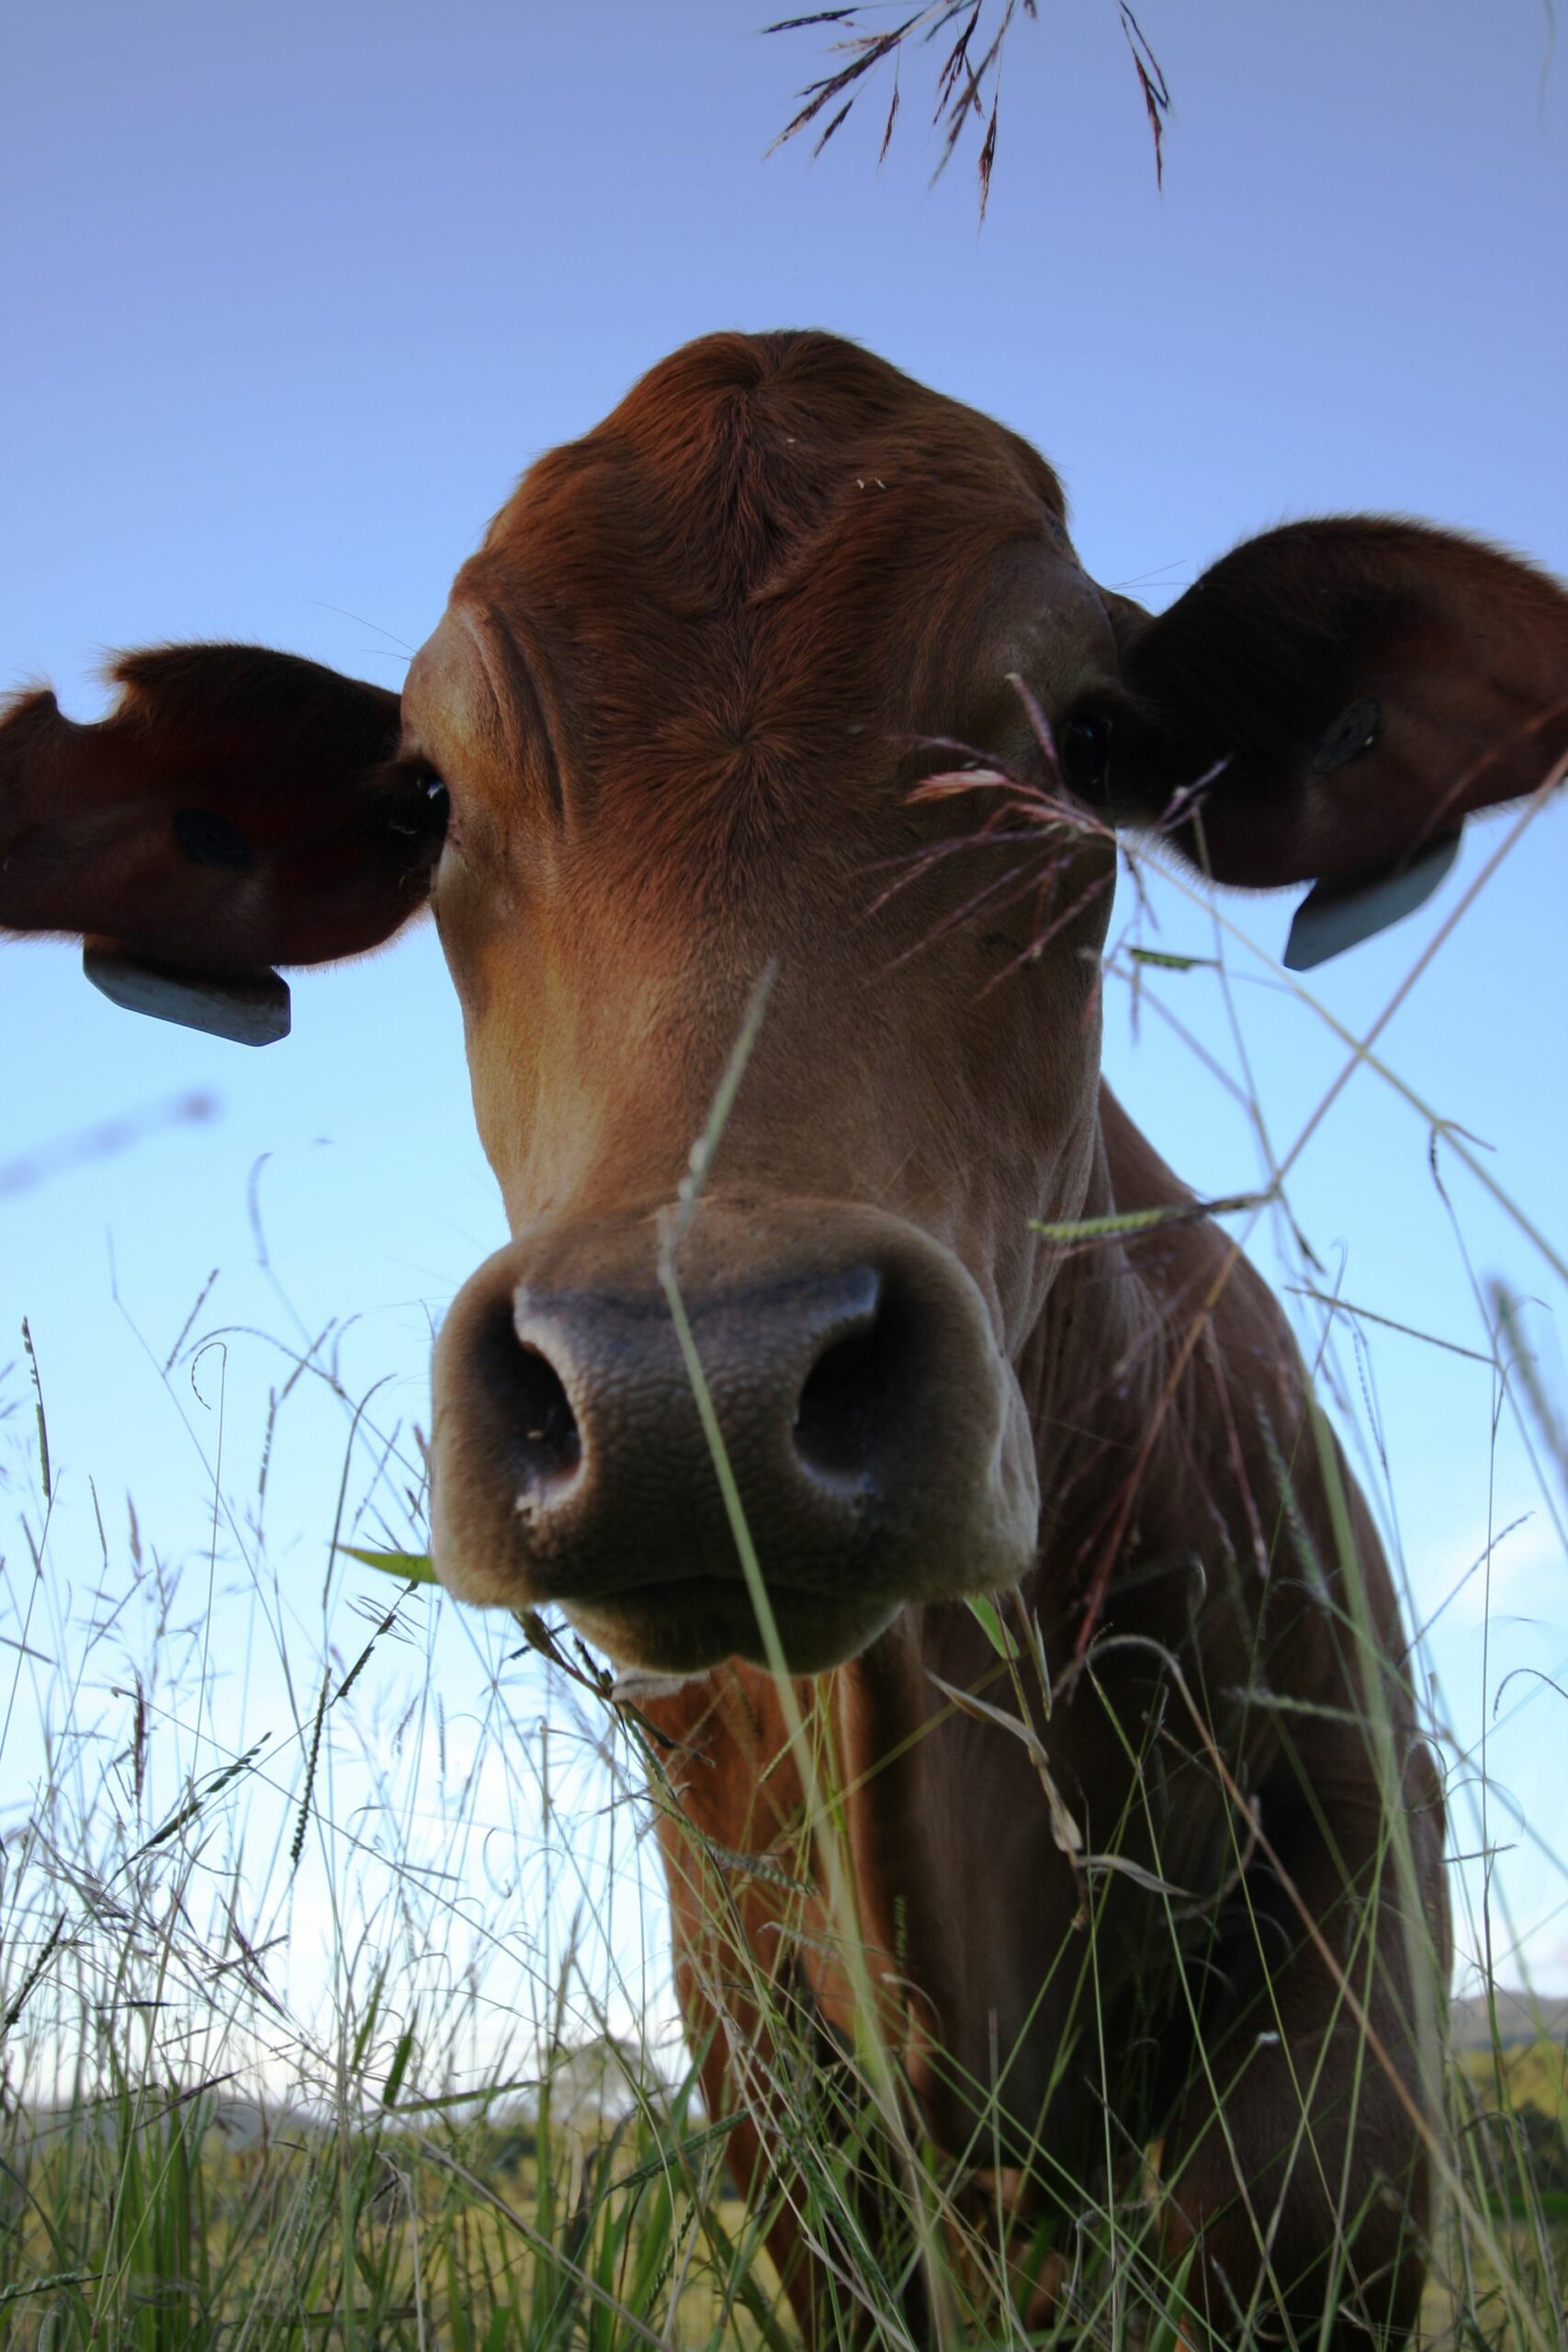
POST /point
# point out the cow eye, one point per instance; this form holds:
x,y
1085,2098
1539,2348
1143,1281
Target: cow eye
x,y
1083,749
420,814
437,809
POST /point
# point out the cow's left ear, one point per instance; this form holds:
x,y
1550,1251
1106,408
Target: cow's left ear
x,y
1330,702
237,810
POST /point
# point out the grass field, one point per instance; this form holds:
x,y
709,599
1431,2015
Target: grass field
x,y
153,2222
193,2152
159,2206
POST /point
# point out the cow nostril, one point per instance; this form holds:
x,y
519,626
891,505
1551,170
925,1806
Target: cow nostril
x,y
548,1434
849,1400
542,1444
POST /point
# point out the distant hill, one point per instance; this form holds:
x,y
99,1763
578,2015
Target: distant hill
x,y
1521,2017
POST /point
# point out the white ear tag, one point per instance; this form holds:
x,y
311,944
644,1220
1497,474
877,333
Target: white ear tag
x,y
251,1012
1336,915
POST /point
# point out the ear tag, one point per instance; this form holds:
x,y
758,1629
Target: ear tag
x,y
250,1012
1336,915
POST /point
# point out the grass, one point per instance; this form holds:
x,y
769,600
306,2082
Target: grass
x,y
963,44
333,1991
157,2219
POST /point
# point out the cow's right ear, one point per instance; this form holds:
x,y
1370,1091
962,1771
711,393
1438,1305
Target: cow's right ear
x,y
237,810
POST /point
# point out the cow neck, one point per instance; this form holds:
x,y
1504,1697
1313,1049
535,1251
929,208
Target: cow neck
x,y
1111,1373
1096,1373
725,1764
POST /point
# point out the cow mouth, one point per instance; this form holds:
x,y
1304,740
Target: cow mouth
x,y
685,1625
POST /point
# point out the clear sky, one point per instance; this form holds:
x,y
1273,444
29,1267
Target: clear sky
x,y
292,293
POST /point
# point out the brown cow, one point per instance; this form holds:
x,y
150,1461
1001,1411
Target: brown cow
x,y
1183,1885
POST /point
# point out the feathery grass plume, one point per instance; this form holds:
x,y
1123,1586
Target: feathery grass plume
x,y
968,70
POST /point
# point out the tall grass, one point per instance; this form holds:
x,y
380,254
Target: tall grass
x,y
334,2002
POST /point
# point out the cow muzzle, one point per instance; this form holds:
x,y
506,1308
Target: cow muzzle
x,y
876,1435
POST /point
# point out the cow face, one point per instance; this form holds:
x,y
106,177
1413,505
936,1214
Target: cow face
x,y
682,704
690,720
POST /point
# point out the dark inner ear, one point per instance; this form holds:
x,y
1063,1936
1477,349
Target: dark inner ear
x,y
212,840
237,808
1331,700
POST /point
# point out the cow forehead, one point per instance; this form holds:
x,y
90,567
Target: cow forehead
x,y
749,472
708,636
734,450
774,557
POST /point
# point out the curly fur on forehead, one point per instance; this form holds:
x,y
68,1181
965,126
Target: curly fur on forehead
x,y
733,471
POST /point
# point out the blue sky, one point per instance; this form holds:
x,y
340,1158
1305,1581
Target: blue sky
x,y
292,293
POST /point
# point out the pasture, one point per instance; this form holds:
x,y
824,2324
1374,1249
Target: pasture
x,y
430,2133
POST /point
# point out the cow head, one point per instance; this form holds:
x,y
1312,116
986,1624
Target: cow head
x,y
678,728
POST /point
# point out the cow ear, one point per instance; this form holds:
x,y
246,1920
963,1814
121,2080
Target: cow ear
x,y
236,810
1330,702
